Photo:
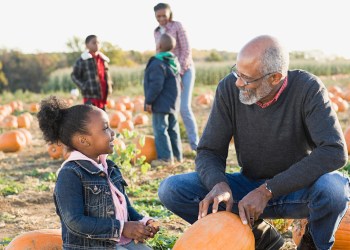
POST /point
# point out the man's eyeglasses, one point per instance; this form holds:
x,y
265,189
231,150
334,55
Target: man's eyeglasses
x,y
238,75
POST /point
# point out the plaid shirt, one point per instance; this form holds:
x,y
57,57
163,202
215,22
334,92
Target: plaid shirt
x,y
183,48
85,76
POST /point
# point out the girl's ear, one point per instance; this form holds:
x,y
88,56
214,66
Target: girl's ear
x,y
80,141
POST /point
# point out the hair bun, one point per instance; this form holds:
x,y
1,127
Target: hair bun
x,y
50,116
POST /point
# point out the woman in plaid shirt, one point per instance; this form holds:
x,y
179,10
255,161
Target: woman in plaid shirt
x,y
184,54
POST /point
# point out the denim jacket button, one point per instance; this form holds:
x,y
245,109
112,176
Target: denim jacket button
x,y
95,189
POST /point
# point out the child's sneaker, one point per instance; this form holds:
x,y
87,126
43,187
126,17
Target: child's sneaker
x,y
161,162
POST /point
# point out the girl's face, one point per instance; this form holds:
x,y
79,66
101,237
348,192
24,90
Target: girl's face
x,y
101,136
162,16
93,45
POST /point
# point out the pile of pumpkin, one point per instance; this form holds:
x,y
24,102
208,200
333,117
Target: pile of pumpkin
x,y
121,113
15,133
339,98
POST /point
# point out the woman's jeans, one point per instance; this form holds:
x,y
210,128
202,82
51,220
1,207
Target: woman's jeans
x,y
167,136
324,203
186,109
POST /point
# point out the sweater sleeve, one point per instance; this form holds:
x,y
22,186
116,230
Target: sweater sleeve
x,y
184,45
213,146
77,75
329,152
155,82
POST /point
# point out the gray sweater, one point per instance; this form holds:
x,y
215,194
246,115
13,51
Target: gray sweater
x,y
291,143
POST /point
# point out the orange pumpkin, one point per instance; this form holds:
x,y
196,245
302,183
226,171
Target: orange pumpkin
x,y
205,99
120,106
129,105
116,118
110,104
128,114
342,105
141,119
5,110
336,90
9,121
128,125
12,141
23,121
37,240
148,149
34,107
55,150
222,230
342,236
27,135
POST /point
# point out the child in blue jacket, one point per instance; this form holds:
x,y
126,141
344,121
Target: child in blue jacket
x,y
162,87
89,195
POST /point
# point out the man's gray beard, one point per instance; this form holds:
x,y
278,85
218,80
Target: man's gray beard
x,y
253,96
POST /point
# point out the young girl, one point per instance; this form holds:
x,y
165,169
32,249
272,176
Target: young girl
x,y
89,196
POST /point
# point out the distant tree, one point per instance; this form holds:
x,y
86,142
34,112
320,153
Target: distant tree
x,y
214,56
116,55
27,71
3,79
75,47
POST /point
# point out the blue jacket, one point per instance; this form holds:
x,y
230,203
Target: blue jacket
x,y
162,87
85,205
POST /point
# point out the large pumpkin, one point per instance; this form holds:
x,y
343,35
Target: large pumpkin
x,y
342,235
222,230
12,141
148,149
44,239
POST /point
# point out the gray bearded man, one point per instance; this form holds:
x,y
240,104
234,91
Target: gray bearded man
x,y
289,145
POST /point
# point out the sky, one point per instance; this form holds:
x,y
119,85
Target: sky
x,y
302,25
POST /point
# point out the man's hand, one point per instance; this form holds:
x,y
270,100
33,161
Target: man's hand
x,y
221,192
253,204
137,231
149,108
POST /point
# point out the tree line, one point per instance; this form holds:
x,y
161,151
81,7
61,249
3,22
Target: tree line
x,y
30,72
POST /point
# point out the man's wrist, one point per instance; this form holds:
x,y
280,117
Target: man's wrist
x,y
264,188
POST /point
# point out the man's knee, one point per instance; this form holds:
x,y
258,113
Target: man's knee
x,y
333,189
167,190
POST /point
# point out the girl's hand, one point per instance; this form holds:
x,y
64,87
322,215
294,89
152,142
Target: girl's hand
x,y
137,231
154,225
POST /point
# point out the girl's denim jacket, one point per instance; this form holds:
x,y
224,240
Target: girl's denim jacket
x,y
85,205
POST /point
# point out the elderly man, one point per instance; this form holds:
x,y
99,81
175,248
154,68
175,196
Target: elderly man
x,y
289,145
